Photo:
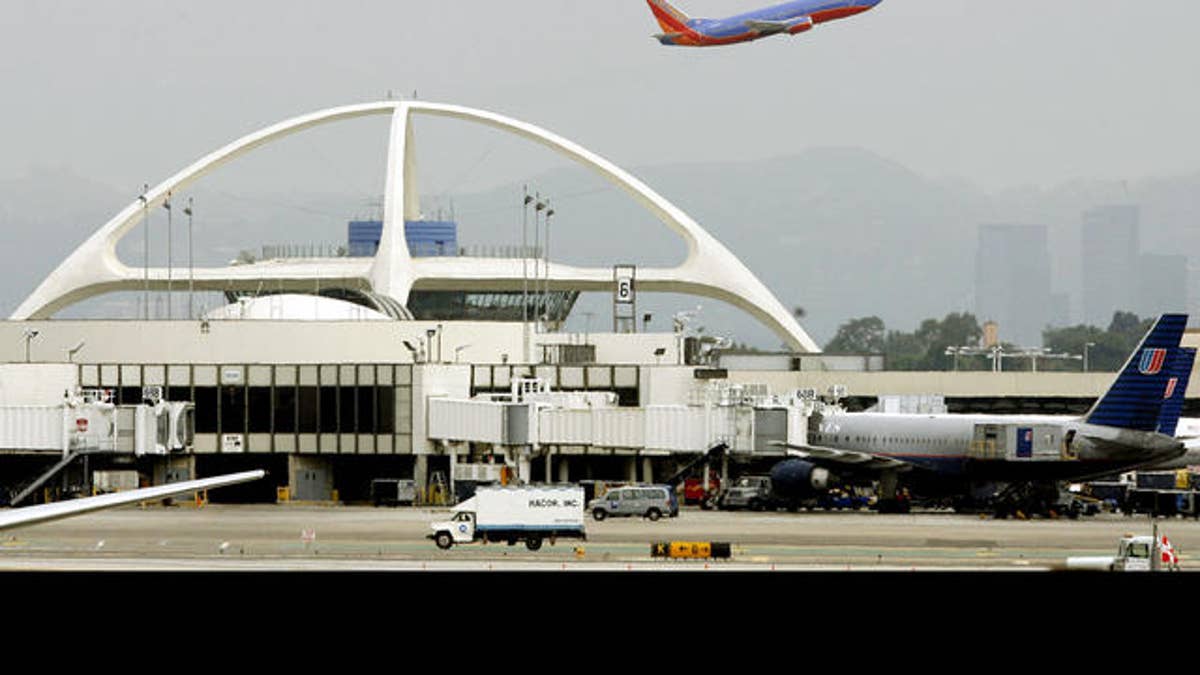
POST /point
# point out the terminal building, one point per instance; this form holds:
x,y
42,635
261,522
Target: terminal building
x,y
407,358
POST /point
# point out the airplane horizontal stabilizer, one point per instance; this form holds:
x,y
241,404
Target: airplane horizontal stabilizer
x,y
1135,399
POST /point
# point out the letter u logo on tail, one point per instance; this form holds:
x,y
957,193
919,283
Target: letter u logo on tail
x,y
1152,361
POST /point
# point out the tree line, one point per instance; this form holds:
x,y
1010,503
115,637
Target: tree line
x,y
926,347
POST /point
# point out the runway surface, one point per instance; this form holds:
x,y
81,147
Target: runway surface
x,y
354,538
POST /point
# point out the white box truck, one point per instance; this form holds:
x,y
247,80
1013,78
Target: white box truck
x,y
511,514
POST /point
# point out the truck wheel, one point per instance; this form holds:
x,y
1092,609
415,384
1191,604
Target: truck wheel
x,y
755,505
599,514
533,543
654,514
443,540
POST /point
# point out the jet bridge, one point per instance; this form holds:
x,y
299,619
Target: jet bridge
x,y
87,423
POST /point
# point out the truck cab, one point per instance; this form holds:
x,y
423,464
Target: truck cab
x,y
1135,554
460,529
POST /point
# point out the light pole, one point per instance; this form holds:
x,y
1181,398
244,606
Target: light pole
x,y
29,336
191,268
1086,346
549,212
538,207
145,252
525,257
167,206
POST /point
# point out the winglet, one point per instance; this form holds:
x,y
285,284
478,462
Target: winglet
x,y
1135,399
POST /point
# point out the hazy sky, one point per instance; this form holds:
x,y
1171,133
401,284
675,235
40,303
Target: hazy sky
x,y
1000,93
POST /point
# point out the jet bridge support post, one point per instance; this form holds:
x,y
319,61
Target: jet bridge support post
x,y
889,482
41,480
421,473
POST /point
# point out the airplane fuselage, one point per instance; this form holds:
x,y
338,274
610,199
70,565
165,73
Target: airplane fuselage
x,y
958,448
791,17
1189,433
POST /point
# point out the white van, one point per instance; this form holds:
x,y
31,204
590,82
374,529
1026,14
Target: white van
x,y
648,501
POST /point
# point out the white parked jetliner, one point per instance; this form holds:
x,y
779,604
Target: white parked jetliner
x,y
1132,425
31,515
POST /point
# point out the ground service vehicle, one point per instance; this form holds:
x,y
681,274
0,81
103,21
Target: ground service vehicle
x,y
1134,554
649,501
694,489
696,492
1158,493
747,492
511,514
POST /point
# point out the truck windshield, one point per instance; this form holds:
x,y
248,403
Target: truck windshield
x,y
1139,550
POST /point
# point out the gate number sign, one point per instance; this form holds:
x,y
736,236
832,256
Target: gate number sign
x,y
625,290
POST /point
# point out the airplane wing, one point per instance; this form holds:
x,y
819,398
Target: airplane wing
x,y
773,27
767,27
844,458
30,515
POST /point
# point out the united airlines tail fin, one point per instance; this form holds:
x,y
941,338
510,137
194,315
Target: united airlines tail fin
x,y
1135,399
1177,383
672,20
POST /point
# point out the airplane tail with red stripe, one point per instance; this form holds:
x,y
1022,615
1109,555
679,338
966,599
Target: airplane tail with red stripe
x,y
1135,399
672,20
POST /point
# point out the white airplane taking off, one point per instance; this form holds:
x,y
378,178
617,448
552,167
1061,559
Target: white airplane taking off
x,y
955,455
32,515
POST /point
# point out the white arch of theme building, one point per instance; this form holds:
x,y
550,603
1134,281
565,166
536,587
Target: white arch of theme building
x,y
709,270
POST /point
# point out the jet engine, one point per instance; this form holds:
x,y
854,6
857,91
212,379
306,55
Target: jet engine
x,y
796,479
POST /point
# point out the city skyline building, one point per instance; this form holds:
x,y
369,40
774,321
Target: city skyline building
x,y
1111,257
1012,281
